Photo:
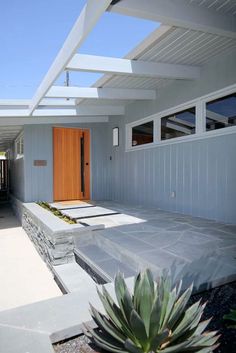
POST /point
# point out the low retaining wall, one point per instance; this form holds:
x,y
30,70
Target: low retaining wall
x,y
53,237
55,249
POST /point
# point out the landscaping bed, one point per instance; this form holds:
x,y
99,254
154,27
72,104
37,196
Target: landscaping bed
x,y
219,302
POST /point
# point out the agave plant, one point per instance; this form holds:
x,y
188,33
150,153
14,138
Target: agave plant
x,y
231,318
155,318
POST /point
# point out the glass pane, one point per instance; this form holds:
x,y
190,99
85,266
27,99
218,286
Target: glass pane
x,y
142,134
221,113
178,124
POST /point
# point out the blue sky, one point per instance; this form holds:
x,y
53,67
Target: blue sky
x,y
32,33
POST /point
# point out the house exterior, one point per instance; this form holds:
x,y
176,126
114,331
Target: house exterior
x,y
158,129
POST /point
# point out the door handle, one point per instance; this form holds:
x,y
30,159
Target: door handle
x,y
87,163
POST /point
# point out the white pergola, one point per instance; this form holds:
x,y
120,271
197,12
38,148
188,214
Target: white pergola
x,y
190,31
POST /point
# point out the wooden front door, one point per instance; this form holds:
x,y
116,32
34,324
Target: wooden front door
x,y
71,159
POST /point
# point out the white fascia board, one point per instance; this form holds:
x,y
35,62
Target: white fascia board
x,y
179,13
19,121
90,63
100,93
88,18
76,111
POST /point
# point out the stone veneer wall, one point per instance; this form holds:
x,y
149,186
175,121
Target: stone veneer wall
x,y
55,249
52,237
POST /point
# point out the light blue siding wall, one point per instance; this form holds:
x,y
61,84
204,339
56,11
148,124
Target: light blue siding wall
x,y
38,145
202,173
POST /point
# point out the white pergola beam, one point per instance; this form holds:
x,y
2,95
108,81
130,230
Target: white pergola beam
x,y
180,13
29,120
108,65
100,93
78,111
178,128
181,121
217,117
88,18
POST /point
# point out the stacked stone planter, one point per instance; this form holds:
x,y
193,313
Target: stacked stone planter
x,y
53,237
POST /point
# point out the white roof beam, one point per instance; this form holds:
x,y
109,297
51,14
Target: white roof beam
x,y
100,93
12,121
181,121
180,13
178,128
88,18
119,66
217,117
24,104
81,110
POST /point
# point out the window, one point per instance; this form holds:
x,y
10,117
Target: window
x,y
19,146
221,113
115,136
142,134
178,124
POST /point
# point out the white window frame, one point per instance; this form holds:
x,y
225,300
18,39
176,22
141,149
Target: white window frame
x,y
200,133
19,141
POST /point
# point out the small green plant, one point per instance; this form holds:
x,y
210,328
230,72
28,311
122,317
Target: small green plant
x,y
231,318
56,212
154,319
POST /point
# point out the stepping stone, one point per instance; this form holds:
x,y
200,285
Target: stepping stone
x,y
87,212
112,220
61,206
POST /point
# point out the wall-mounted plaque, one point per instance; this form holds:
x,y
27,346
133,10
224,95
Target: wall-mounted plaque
x,y
40,163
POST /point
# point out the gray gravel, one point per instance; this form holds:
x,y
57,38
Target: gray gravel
x,y
219,301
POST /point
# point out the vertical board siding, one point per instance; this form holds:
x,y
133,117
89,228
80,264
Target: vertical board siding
x,y
39,145
202,173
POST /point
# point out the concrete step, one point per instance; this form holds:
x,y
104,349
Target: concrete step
x,y
101,265
124,254
71,278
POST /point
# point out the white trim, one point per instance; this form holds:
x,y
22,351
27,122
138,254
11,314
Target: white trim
x,y
201,133
194,137
200,117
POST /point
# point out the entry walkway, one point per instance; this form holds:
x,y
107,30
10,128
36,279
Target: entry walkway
x,y
24,276
197,250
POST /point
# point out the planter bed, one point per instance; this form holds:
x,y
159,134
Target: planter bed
x,y
219,301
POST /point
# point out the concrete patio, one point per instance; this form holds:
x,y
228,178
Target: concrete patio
x,y
196,249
